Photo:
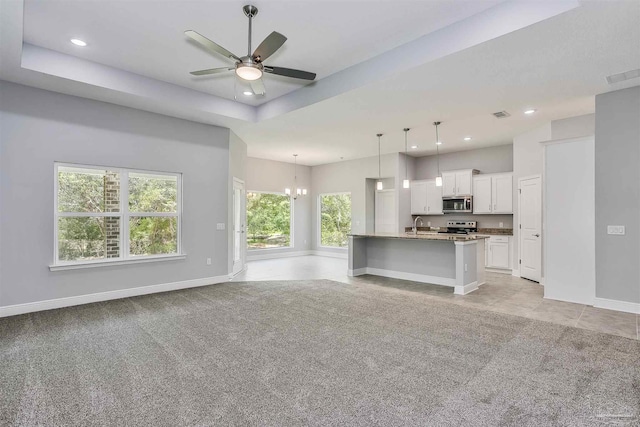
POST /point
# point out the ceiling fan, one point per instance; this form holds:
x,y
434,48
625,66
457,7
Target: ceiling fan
x,y
250,67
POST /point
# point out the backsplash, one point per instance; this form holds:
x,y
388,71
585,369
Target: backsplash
x,y
484,221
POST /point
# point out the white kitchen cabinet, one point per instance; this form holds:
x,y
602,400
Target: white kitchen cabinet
x,y
502,194
458,183
434,198
482,201
426,198
498,250
418,197
448,184
463,183
493,194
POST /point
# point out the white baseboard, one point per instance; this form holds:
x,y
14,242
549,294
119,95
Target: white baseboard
x,y
465,289
341,255
274,255
612,304
499,271
12,310
414,277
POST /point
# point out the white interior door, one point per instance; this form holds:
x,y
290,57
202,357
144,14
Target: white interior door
x,y
385,211
530,213
239,220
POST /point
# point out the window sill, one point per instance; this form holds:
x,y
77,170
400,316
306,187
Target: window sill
x,y
102,263
269,249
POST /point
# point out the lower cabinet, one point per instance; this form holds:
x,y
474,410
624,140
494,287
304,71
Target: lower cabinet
x,y
498,251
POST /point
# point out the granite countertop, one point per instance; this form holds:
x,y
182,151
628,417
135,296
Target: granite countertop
x,y
483,231
423,236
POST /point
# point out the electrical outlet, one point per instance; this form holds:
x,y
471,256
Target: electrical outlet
x,y
305,242
428,223
466,267
220,226
615,229
208,261
502,225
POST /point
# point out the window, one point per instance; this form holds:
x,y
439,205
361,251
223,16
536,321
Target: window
x,y
96,207
335,219
268,220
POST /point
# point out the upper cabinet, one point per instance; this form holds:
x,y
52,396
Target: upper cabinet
x,y
493,194
458,183
426,198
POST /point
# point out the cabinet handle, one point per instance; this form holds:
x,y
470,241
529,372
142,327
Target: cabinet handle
x,y
489,207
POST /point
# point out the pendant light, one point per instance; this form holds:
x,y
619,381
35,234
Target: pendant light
x,y
438,177
405,182
379,185
296,191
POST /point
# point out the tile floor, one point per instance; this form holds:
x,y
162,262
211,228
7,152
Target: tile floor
x,y
502,293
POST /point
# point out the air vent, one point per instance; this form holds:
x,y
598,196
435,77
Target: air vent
x,y
620,77
501,114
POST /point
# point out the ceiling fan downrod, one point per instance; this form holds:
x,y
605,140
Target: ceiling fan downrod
x,y
250,11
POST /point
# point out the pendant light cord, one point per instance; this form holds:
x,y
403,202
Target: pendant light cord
x,y
406,131
379,158
437,147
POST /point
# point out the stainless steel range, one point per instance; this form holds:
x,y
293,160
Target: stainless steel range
x,y
460,227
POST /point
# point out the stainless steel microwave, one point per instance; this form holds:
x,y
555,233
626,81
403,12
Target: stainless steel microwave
x,y
457,204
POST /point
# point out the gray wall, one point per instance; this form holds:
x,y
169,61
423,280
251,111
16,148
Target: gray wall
x,y
38,127
269,175
486,160
617,152
349,176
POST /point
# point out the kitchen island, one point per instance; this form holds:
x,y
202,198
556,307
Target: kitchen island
x,y
441,259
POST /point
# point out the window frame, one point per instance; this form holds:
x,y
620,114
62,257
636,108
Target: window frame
x,y
319,216
291,222
123,214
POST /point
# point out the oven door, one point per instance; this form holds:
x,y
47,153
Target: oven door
x,y
457,204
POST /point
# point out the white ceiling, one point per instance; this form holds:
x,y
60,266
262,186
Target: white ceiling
x,y
146,37
384,69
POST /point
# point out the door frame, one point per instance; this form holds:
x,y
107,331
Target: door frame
x,y
519,243
243,214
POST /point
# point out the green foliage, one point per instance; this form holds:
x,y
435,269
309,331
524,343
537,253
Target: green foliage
x,y
81,238
268,220
152,194
153,235
335,222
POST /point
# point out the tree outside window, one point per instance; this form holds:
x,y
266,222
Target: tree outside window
x,y
335,219
268,220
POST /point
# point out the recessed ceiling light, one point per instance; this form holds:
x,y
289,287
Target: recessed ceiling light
x,y
414,147
79,42
439,143
467,138
531,111
248,93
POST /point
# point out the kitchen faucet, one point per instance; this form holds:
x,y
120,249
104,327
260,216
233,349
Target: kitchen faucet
x,y
415,225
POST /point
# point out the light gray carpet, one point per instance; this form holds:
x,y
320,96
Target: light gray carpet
x,y
308,353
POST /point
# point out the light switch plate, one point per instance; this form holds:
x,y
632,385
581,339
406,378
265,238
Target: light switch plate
x,y
220,226
615,229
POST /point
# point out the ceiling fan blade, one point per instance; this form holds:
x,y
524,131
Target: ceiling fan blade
x,y
290,72
209,45
258,87
210,71
269,45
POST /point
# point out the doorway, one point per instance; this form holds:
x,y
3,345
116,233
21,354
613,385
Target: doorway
x,y
385,211
530,219
239,224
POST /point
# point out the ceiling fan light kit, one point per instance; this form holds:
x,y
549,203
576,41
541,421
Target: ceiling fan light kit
x,y
250,67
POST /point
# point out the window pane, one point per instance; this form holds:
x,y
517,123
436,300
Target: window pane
x,y
153,235
268,220
88,190
153,193
88,238
335,224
